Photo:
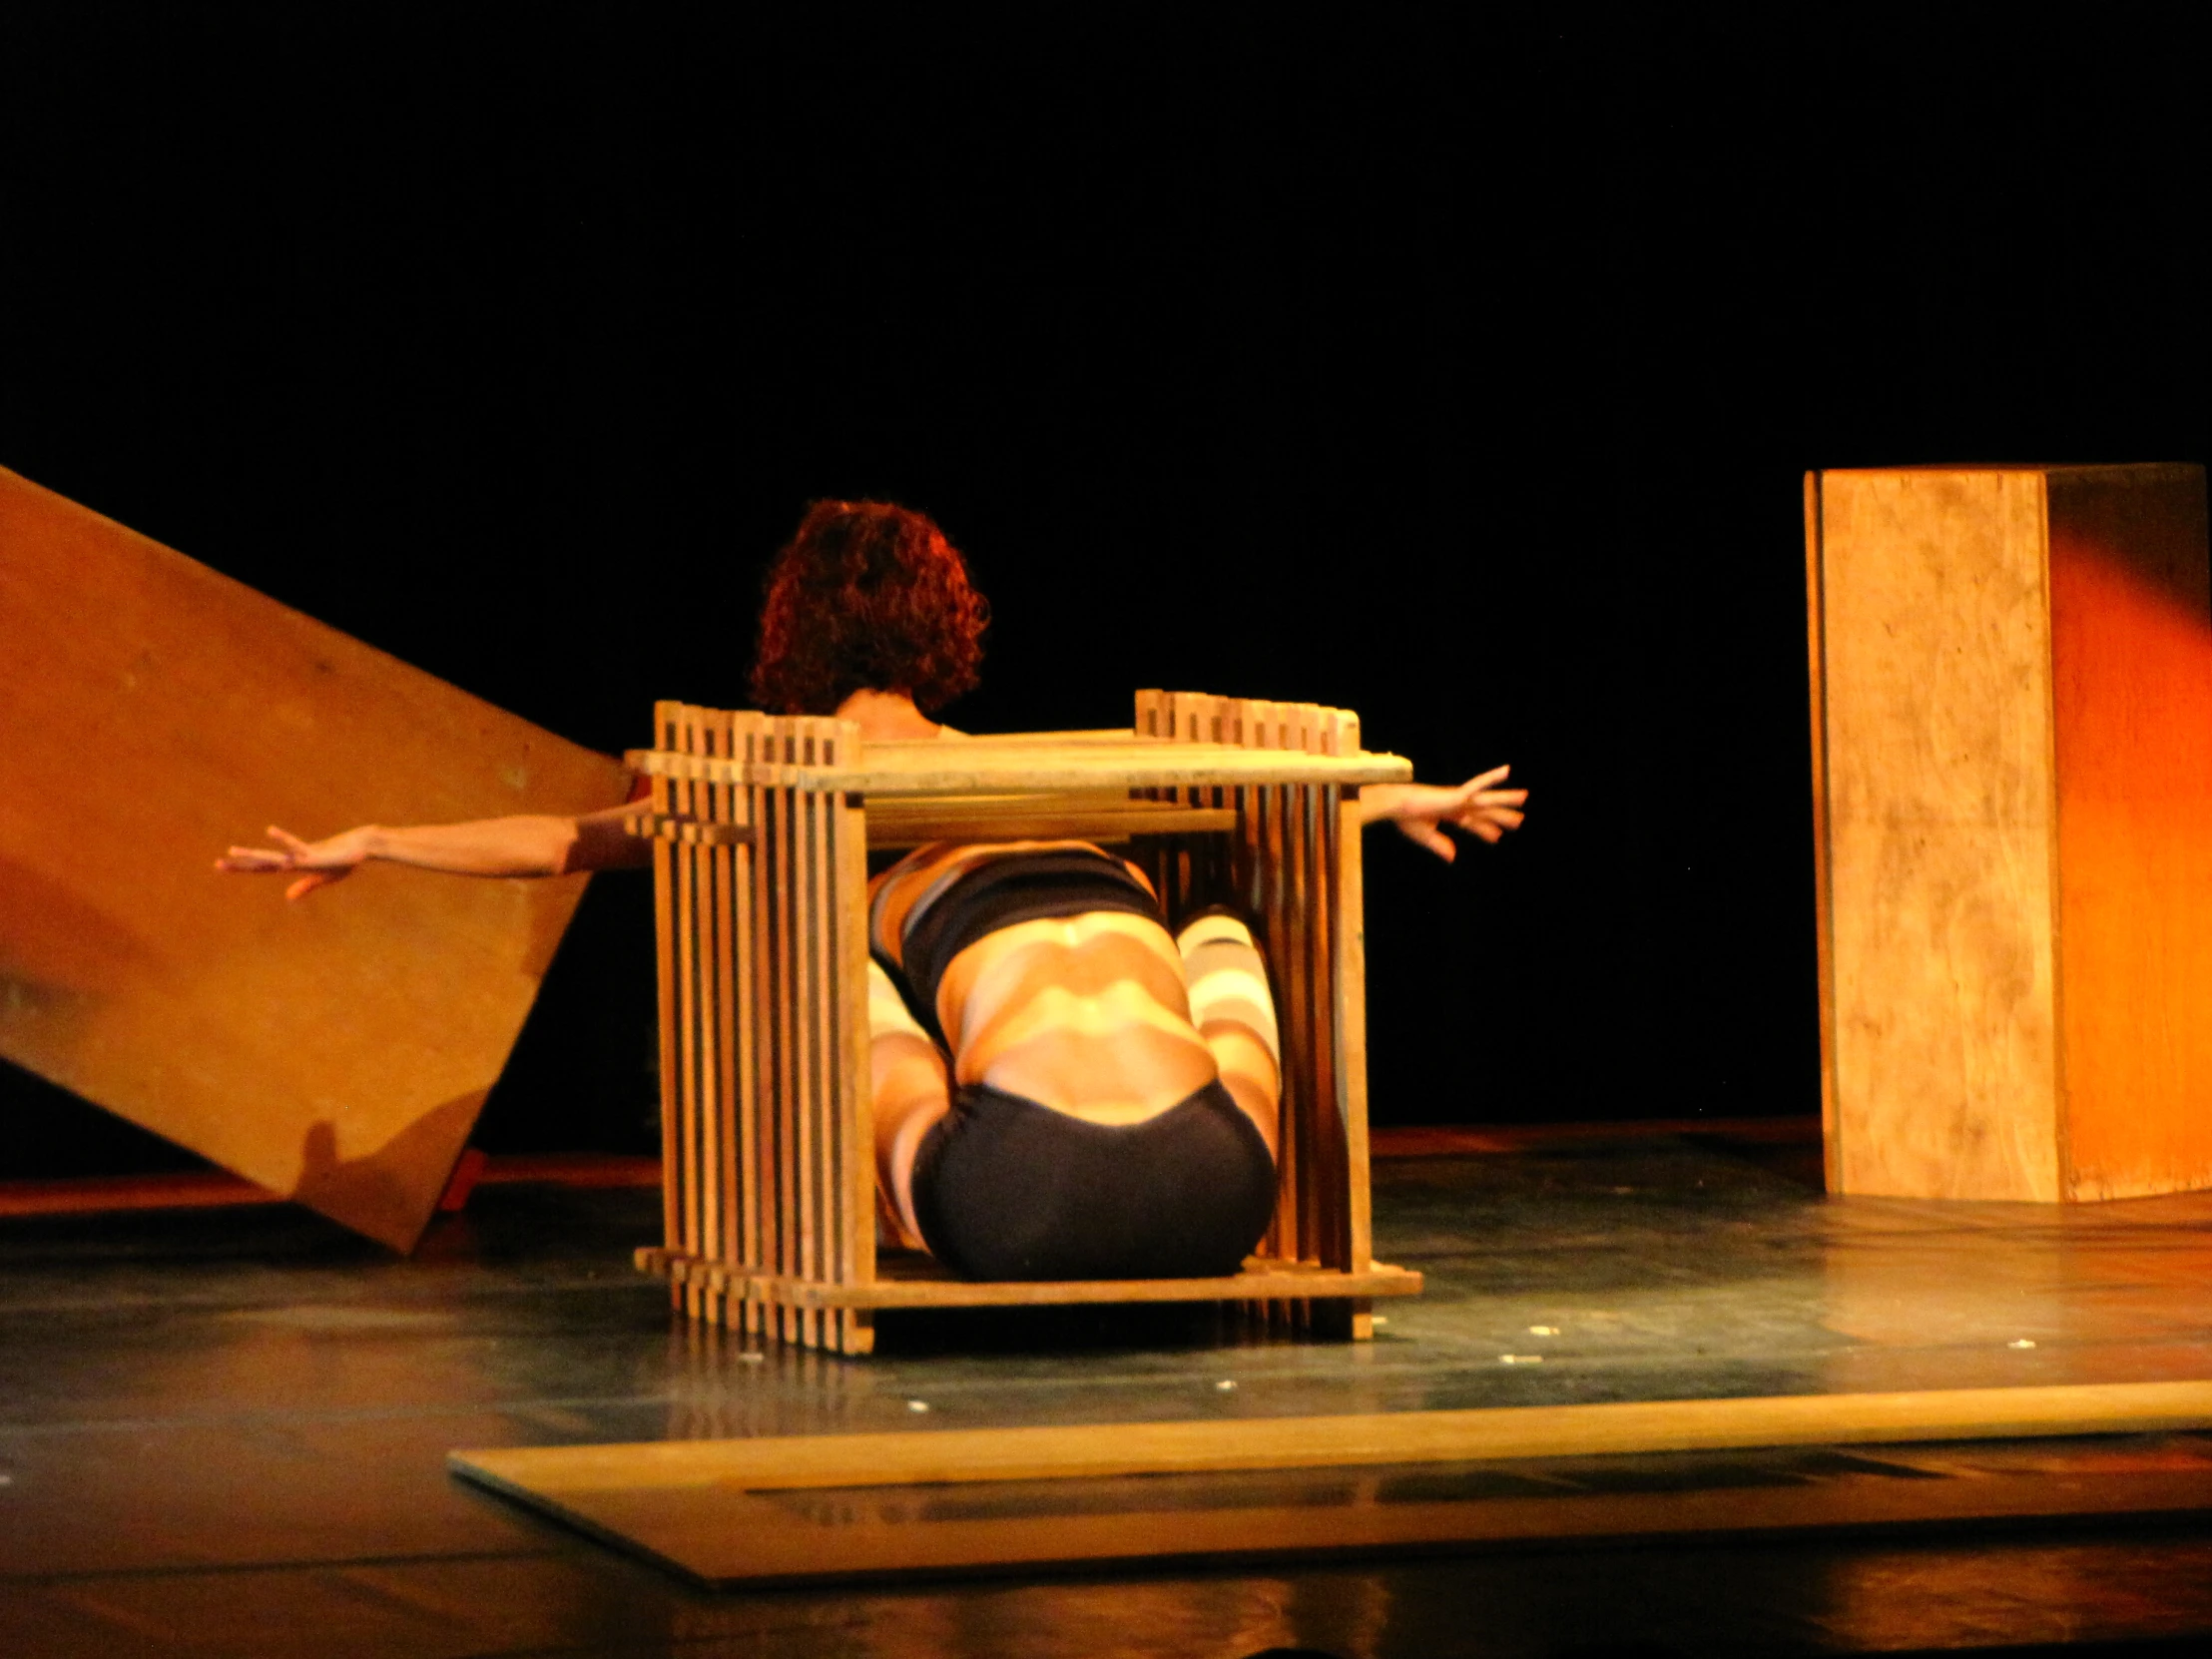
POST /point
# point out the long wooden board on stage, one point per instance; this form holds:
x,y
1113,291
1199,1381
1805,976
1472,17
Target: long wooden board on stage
x,y
741,1510
154,712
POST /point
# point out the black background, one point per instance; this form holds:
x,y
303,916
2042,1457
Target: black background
x,y
1456,372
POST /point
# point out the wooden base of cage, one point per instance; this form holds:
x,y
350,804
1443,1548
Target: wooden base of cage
x,y
764,828
1310,1298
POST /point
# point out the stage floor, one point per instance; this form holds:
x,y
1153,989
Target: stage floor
x,y
225,1431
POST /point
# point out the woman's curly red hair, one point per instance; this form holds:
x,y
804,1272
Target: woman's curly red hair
x,y
866,597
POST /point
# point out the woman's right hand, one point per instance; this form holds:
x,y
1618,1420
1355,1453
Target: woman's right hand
x,y
324,861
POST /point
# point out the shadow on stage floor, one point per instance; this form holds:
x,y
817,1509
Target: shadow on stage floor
x,y
225,1429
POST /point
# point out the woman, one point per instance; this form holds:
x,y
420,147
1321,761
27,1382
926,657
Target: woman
x,y
1062,1089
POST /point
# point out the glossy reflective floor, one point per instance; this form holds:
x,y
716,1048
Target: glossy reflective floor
x,y
224,1432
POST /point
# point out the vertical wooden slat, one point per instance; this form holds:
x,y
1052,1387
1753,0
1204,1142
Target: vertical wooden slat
x,y
1321,869
744,999
812,943
817,1127
1325,1165
791,1034
797,959
1294,994
1312,1004
783,899
767,930
684,1163
1328,822
1351,968
1320,865
1339,737
1274,922
706,1086
706,1080
706,1140
1816,650
723,801
855,1111
665,924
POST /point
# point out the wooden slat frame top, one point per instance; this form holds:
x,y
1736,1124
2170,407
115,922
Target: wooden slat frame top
x,y
955,767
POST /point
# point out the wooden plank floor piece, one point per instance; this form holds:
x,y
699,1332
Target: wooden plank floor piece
x,y
1213,1446
731,1511
721,1540
154,712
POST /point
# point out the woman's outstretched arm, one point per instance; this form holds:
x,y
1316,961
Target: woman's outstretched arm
x,y
1421,810
533,845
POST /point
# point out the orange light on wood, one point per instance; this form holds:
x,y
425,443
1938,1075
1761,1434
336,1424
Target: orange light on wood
x,y
154,712
2013,778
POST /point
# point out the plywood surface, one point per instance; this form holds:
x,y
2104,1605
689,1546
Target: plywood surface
x,y
2131,624
1939,813
784,1509
153,711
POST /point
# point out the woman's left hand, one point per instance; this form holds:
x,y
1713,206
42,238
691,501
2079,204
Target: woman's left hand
x,y
1421,810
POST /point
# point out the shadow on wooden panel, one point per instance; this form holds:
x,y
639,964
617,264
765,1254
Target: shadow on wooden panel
x,y
153,711
2131,681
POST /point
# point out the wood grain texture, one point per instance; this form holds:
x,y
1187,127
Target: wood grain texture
x,y
1940,832
154,712
2012,684
2131,643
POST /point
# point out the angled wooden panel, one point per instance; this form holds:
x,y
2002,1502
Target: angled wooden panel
x,y
153,711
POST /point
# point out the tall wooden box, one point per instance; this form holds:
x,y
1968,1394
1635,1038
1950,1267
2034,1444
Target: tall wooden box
x,y
2013,799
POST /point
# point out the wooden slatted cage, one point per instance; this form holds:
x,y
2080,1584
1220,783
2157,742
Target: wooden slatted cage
x,y
762,828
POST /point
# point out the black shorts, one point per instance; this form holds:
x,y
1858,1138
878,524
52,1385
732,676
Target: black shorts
x,y
1007,1189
